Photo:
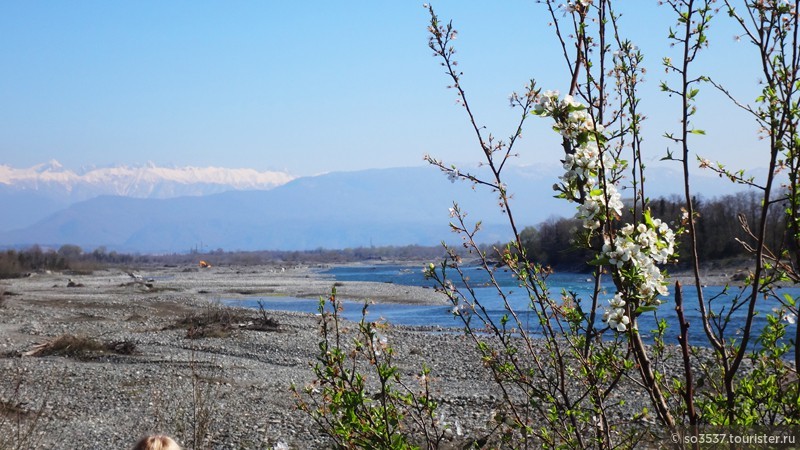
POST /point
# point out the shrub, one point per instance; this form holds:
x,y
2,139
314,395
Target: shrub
x,y
81,347
219,321
358,396
22,420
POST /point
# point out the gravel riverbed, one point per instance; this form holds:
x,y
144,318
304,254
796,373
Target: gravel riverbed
x,y
109,400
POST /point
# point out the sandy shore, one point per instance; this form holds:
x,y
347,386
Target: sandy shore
x,y
109,400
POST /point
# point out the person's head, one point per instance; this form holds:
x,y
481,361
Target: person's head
x,y
156,442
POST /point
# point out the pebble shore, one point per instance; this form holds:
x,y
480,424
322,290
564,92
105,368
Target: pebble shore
x,y
110,400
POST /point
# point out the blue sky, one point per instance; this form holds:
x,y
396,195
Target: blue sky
x,y
309,87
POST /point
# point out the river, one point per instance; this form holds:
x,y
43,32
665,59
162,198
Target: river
x,y
579,284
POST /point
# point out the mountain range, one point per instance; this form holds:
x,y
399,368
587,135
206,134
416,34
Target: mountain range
x,y
35,192
156,210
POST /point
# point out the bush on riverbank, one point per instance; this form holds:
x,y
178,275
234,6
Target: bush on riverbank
x,y
219,321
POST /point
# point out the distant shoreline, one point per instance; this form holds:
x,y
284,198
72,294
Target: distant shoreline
x,y
731,276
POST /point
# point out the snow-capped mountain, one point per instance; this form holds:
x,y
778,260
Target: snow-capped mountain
x,y
148,181
32,193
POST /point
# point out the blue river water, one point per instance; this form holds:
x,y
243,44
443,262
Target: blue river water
x,y
579,284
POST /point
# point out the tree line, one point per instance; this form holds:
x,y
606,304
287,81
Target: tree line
x,y
69,257
720,234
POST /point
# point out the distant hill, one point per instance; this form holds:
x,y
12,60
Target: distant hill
x,y
396,206
35,192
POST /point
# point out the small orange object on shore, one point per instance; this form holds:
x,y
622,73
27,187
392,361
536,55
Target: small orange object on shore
x,y
204,265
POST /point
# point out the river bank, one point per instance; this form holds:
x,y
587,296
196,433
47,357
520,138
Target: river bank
x,y
229,391
108,400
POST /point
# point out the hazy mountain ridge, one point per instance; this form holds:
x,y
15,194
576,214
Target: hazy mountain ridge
x,y
35,192
336,210
396,206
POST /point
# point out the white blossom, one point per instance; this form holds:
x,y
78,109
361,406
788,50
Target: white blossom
x,y
379,343
616,318
636,250
617,301
452,175
640,249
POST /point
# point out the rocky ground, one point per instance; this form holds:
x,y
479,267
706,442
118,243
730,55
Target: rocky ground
x,y
145,378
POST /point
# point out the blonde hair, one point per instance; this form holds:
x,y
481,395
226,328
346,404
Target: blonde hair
x,y
156,442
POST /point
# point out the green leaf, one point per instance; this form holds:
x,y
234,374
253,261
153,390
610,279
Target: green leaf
x,y
648,219
644,309
696,131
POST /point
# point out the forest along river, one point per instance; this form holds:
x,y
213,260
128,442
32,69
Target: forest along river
x,y
580,284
